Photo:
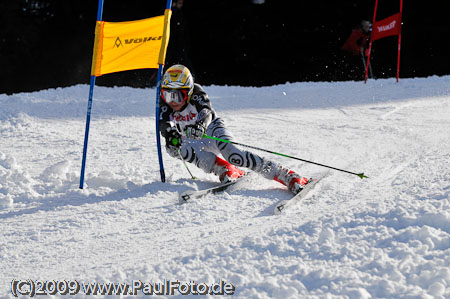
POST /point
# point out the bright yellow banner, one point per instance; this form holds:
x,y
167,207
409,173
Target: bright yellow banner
x,y
121,46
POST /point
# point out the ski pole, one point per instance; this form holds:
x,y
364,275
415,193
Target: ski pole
x,y
185,165
363,60
175,142
370,65
361,175
370,71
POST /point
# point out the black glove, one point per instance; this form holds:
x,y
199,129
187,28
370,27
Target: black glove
x,y
173,142
195,131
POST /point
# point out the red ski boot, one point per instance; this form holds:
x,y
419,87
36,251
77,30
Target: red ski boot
x,y
226,171
290,179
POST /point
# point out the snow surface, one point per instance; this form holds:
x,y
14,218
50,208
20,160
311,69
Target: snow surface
x,y
386,236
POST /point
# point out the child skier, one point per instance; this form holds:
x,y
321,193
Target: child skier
x,y
186,114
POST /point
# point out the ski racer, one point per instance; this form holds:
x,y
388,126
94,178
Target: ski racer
x,y
186,114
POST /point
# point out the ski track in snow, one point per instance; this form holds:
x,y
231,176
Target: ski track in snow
x,y
383,237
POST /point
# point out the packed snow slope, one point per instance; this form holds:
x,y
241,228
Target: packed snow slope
x,y
387,236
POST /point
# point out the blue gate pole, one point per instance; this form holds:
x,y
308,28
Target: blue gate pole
x,y
89,107
157,116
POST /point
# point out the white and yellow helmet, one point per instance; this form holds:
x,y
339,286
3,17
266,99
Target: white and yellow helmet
x,y
178,77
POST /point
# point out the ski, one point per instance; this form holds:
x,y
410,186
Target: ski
x,y
285,204
194,194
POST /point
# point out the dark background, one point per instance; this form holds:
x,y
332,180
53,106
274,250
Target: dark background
x,y
48,43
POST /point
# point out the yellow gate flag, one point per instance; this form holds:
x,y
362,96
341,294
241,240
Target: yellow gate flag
x,y
122,46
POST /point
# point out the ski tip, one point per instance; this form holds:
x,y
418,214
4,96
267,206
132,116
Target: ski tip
x,y
279,208
184,197
362,176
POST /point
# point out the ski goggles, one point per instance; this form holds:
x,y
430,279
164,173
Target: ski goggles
x,y
177,96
